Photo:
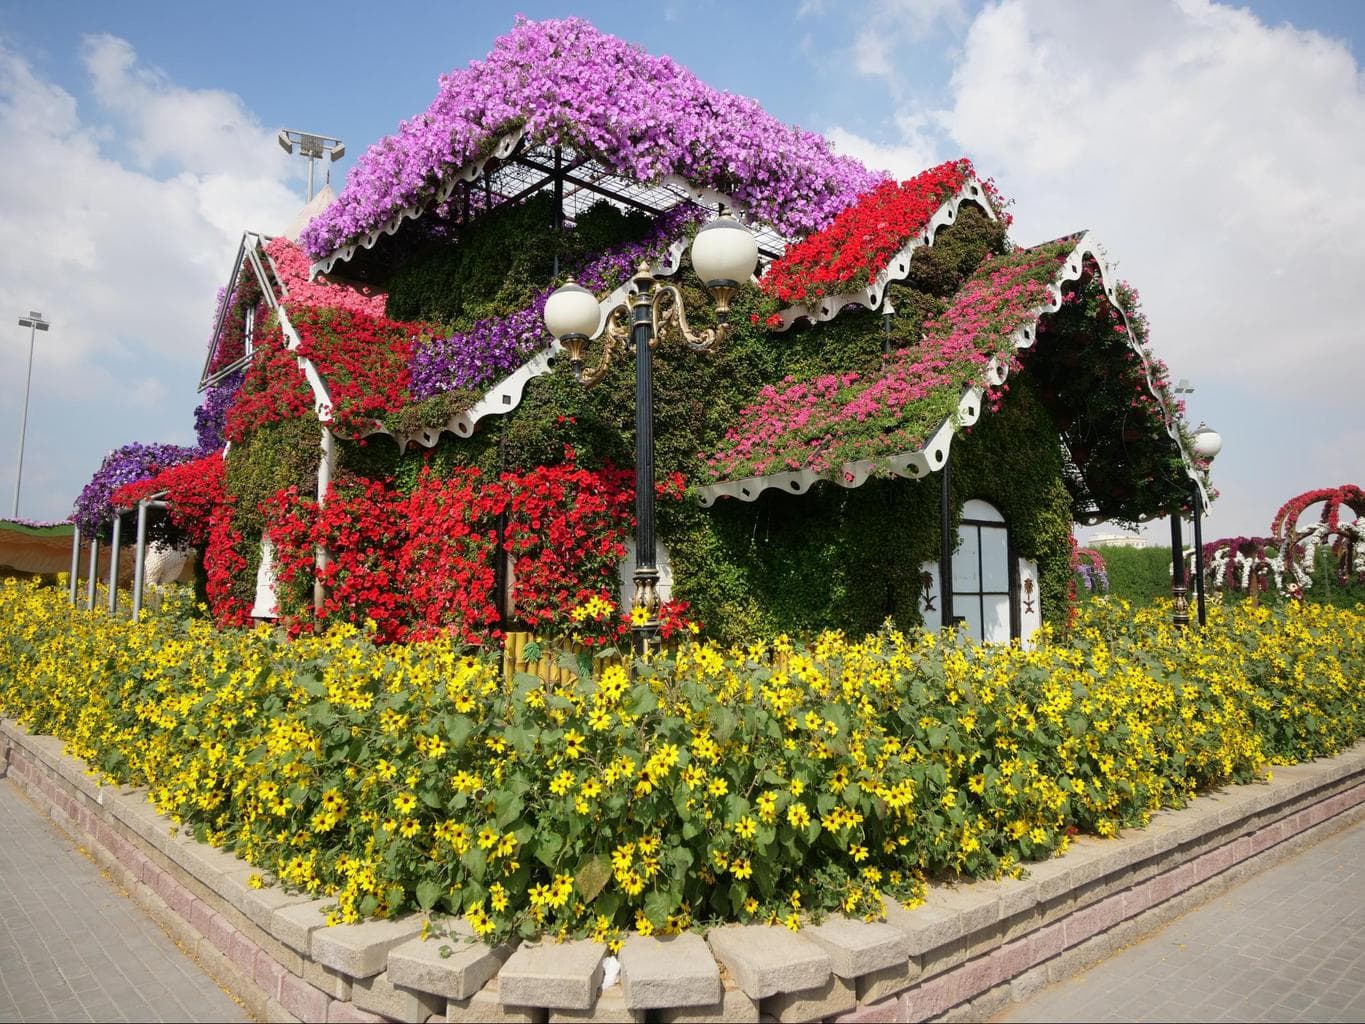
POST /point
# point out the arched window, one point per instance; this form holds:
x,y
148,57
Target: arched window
x,y
985,578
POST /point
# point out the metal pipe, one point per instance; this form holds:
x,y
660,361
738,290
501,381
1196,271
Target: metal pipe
x,y
140,560
1199,554
94,572
321,558
75,563
646,576
113,564
23,423
1180,613
945,549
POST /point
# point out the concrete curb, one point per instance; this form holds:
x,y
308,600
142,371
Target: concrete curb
x,y
963,955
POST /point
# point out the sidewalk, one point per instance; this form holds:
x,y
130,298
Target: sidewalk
x,y
1287,944
72,947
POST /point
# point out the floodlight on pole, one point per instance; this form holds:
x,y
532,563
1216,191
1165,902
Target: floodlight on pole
x,y
34,322
312,147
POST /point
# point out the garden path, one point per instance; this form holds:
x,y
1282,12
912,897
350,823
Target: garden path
x,y
72,947
1287,944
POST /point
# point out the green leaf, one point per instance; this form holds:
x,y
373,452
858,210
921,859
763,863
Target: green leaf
x,y
428,892
723,722
531,653
547,848
658,905
592,876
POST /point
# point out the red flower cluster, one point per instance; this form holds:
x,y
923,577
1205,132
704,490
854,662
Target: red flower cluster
x,y
566,531
225,566
860,241
423,565
361,525
362,359
1333,498
193,491
273,390
446,563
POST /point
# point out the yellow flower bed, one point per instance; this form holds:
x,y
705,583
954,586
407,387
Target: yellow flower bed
x,y
745,784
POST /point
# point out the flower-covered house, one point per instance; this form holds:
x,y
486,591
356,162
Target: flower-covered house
x,y
904,392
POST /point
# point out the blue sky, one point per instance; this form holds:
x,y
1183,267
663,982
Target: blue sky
x,y
1217,151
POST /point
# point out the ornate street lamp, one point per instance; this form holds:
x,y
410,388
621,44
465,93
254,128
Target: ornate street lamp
x,y
1207,444
724,255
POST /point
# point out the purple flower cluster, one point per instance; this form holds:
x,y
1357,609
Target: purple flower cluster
x,y
211,416
644,116
1095,579
496,346
126,465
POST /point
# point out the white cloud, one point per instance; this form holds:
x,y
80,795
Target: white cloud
x,y
891,25
1219,161
122,221
901,161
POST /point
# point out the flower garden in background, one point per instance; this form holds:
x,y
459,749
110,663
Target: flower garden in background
x,y
385,415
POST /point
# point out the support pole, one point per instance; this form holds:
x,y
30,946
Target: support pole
x,y
140,560
93,573
1180,614
326,468
643,635
113,564
75,563
945,548
1198,507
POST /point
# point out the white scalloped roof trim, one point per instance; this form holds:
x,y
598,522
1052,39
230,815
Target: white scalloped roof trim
x,y
470,172
322,400
896,269
933,455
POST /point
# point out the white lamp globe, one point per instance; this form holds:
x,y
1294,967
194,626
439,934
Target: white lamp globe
x,y
572,310
724,251
1207,442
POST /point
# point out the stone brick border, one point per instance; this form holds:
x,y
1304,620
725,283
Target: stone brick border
x,y
963,955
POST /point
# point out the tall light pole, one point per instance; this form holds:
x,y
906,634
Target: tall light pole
x,y
34,322
314,148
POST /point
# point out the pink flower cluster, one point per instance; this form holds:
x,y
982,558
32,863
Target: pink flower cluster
x,y
821,424
292,266
644,116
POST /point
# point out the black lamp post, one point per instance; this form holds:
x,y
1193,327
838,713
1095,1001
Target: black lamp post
x,y
724,255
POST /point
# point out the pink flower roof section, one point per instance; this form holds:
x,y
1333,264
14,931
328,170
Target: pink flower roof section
x,y
644,117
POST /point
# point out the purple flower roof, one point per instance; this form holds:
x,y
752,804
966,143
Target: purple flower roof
x,y
643,116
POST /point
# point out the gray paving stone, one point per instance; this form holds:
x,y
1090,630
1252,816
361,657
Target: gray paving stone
x,y
856,948
564,975
1283,944
62,916
361,950
454,966
765,960
674,970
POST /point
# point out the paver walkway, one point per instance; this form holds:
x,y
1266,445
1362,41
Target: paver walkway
x,y
72,947
1287,944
